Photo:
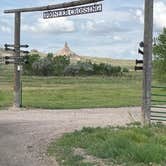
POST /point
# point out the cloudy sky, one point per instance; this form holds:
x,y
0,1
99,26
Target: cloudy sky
x,y
113,33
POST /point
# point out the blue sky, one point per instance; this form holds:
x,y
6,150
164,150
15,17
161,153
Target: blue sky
x,y
113,33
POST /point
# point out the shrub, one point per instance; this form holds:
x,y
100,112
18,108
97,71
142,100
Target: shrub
x,y
31,58
50,55
86,68
47,66
72,70
43,67
116,70
81,68
60,63
159,51
106,69
125,70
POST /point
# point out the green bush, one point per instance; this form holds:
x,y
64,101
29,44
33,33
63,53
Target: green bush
x,y
81,68
116,70
125,70
159,51
43,67
47,66
60,65
87,68
72,70
27,67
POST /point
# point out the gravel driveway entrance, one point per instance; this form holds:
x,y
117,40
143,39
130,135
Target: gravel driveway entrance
x,y
25,135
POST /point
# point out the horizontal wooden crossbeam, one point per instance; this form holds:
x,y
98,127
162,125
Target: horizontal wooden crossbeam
x,y
158,116
158,101
158,112
159,87
156,106
159,120
51,7
159,95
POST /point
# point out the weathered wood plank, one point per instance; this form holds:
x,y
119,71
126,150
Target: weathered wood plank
x,y
51,7
147,73
17,75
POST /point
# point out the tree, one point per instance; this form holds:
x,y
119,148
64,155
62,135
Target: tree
x,y
80,68
60,63
27,67
159,52
43,67
50,55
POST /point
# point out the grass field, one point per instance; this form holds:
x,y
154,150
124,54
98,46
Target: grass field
x,y
73,92
115,62
132,146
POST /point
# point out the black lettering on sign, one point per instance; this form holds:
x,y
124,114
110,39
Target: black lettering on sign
x,y
73,11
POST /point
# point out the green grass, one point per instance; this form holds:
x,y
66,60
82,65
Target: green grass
x,y
73,92
6,98
77,92
131,146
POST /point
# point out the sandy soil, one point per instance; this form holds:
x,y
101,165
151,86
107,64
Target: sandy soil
x,y
25,135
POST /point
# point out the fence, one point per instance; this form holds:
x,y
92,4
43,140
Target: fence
x,y
158,107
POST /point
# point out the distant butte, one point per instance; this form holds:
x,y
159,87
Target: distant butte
x,y
66,51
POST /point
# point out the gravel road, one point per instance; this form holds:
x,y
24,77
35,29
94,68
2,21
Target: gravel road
x,y
25,135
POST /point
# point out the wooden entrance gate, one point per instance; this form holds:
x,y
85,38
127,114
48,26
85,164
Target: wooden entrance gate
x,y
147,57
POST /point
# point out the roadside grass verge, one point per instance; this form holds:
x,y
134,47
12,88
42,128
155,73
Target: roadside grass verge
x,y
6,98
134,145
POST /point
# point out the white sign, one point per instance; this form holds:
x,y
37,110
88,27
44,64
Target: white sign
x,y
73,11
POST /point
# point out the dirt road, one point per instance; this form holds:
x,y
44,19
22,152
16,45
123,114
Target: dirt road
x,y
24,135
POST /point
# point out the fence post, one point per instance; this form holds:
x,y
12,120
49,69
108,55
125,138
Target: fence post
x,y
17,84
147,72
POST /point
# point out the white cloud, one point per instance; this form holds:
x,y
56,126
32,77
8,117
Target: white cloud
x,y
4,26
160,14
90,26
140,15
117,38
5,29
119,20
58,25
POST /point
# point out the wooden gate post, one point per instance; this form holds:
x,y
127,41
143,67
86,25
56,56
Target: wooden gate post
x,y
17,84
147,73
